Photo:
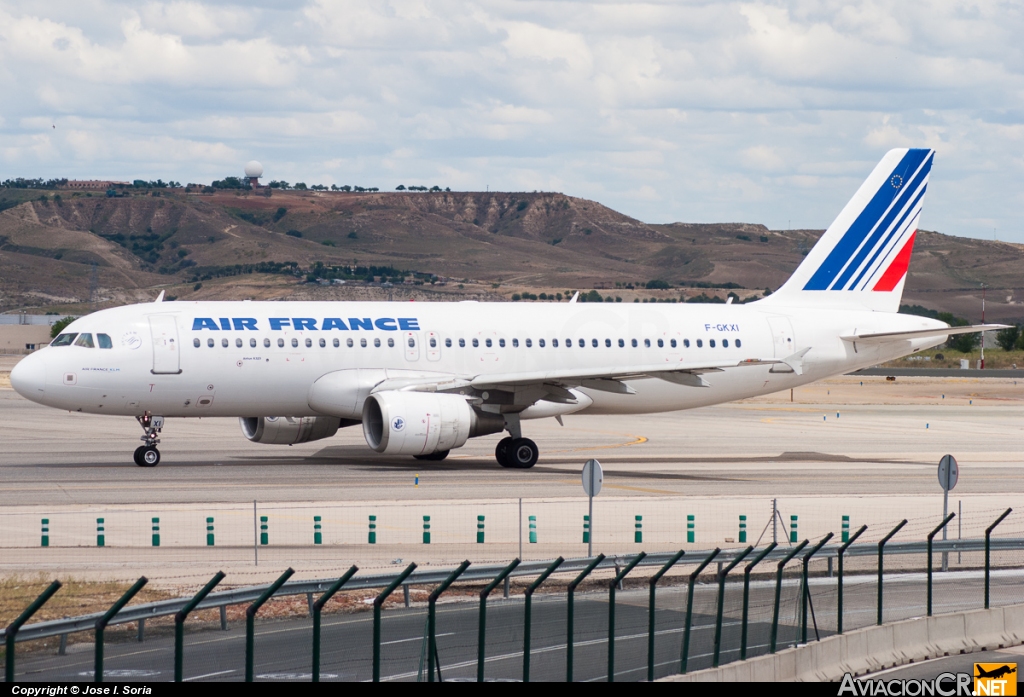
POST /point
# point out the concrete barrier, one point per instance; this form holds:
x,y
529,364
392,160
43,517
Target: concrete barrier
x,y
873,649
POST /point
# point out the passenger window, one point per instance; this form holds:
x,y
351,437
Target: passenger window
x,y
647,343
529,343
209,343
593,342
447,343
725,343
738,344
582,343
85,341
540,343
501,343
337,343
196,342
349,343
633,342
515,343
238,343
104,341
362,343
295,343
711,343
391,343
309,343
266,343
476,343
622,344
554,343
661,343
252,343
672,343
686,343
412,342
63,340
323,343
280,343
462,343
608,343
433,342
376,343
700,343
224,343
487,342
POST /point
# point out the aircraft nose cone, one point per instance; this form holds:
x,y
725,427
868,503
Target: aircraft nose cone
x,y
28,378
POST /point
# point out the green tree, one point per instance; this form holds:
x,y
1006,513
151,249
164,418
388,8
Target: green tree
x,y
1008,338
657,284
59,326
964,343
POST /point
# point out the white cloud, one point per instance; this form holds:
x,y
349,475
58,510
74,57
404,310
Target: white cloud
x,y
695,111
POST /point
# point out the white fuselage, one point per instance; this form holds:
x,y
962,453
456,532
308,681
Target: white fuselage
x,y
201,359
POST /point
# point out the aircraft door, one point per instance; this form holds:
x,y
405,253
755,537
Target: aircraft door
x,y
433,346
412,346
166,353
782,337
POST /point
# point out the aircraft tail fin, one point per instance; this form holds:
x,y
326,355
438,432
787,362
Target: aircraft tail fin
x,y
861,261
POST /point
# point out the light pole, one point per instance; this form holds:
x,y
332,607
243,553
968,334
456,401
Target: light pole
x,y
983,322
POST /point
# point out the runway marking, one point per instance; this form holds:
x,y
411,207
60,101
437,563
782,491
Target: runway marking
x,y
208,675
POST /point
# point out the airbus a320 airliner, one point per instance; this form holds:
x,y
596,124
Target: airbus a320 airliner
x,y
423,378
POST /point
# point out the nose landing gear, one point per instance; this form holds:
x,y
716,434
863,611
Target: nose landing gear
x,y
147,455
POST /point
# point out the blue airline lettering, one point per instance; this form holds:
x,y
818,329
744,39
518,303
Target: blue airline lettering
x,y
408,324
333,323
301,323
225,323
279,322
388,324
203,323
356,323
385,323
242,323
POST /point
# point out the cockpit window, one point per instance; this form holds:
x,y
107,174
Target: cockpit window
x,y
85,341
64,340
104,341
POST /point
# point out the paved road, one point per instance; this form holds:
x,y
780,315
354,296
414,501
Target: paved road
x,y
283,647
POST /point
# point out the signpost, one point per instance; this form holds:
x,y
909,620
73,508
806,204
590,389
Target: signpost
x,y
593,478
949,473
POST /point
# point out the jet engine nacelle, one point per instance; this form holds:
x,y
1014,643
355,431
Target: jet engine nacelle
x,y
420,423
286,430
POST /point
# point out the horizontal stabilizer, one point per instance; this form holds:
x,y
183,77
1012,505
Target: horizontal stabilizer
x,y
887,337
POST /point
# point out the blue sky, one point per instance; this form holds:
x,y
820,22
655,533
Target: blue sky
x,y
679,111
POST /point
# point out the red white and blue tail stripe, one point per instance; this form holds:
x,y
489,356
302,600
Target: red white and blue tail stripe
x,y
862,258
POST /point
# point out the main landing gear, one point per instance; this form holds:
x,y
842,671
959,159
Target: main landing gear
x,y
147,455
518,453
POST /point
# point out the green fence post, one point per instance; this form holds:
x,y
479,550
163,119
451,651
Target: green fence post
x,y
426,530
793,537
528,617
611,611
806,593
569,614
179,624
318,606
533,529
839,585
746,596
638,529
480,529
11,632
721,600
586,529
102,622
264,530
156,532
881,553
778,592
481,641
209,532
691,534
689,609
846,529
931,536
988,536
250,620
378,602
432,657
318,537
743,529
46,533
650,611
101,536
372,537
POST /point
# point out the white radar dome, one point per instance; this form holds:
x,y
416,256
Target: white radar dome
x,y
253,169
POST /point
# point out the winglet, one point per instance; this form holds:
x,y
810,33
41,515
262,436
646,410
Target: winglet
x,y
159,298
574,297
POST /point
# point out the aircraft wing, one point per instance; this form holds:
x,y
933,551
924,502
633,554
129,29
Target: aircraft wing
x,y
886,337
